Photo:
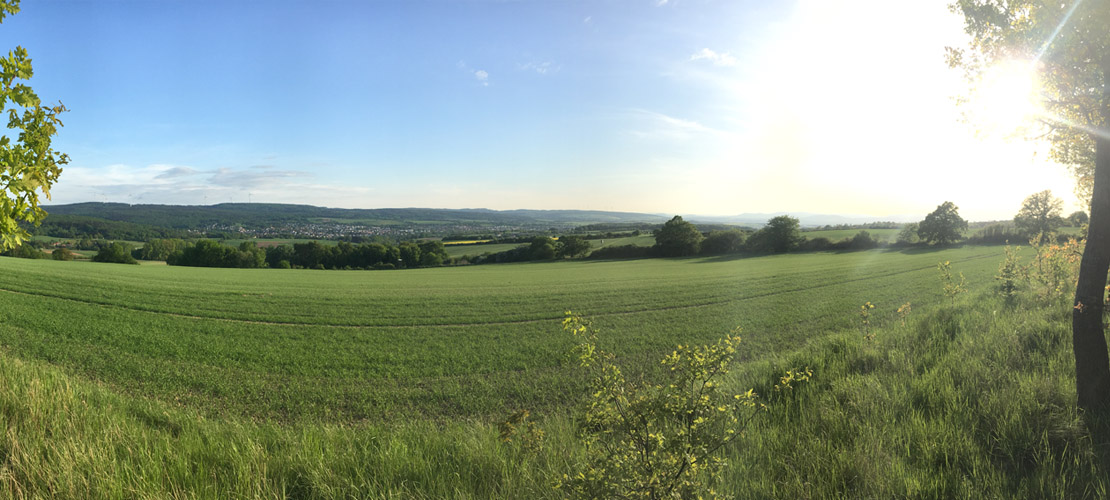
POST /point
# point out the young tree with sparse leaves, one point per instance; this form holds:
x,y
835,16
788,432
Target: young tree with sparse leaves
x,y
1068,44
28,164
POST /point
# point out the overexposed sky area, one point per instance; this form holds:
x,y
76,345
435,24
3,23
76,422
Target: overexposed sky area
x,y
675,106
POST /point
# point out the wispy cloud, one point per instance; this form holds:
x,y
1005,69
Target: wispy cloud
x,y
481,75
254,177
175,172
543,68
166,184
660,3
717,58
588,20
653,125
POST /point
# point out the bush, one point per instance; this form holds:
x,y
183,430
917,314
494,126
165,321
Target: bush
x,y
677,238
997,234
908,235
25,251
780,235
655,441
159,249
62,253
116,253
862,241
723,242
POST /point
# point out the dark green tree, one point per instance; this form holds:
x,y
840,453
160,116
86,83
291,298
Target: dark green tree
x,y
410,254
1070,45
432,253
677,238
1040,213
25,251
116,253
277,254
542,248
572,246
943,226
781,234
158,249
723,242
62,253
862,241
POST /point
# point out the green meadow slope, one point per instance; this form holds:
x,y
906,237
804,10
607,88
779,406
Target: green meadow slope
x,y
970,398
343,346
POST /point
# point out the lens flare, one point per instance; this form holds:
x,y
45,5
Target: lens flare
x,y
1006,99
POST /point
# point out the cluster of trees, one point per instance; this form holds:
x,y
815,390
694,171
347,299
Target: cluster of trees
x,y
678,238
311,255
538,248
782,234
1040,213
25,251
115,252
210,253
159,249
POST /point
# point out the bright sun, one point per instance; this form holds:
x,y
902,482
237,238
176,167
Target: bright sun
x,y
1006,98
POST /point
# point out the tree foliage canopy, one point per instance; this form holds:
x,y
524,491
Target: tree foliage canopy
x,y
678,238
943,226
115,252
1040,213
28,165
572,246
781,234
1068,44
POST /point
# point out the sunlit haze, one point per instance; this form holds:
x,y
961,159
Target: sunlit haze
x,y
662,106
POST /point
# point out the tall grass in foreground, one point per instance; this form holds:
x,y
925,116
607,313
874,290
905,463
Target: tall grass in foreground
x,y
974,398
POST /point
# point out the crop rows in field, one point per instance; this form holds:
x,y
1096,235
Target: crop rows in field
x,y
450,342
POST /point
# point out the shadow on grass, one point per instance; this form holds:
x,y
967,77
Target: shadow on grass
x,y
918,250
1098,424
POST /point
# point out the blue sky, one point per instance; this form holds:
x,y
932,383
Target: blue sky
x,y
670,106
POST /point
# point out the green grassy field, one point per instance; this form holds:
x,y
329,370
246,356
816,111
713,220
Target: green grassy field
x,y
834,235
970,398
439,343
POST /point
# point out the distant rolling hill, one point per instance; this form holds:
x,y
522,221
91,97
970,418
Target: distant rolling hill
x,y
261,215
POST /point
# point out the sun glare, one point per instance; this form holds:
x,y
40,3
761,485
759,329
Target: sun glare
x,y
1006,99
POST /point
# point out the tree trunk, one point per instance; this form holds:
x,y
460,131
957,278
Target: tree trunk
x,y
1092,366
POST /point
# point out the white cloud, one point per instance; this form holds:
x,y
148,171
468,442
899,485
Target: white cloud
x,y
173,172
653,125
479,74
542,68
588,20
168,184
661,3
717,58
